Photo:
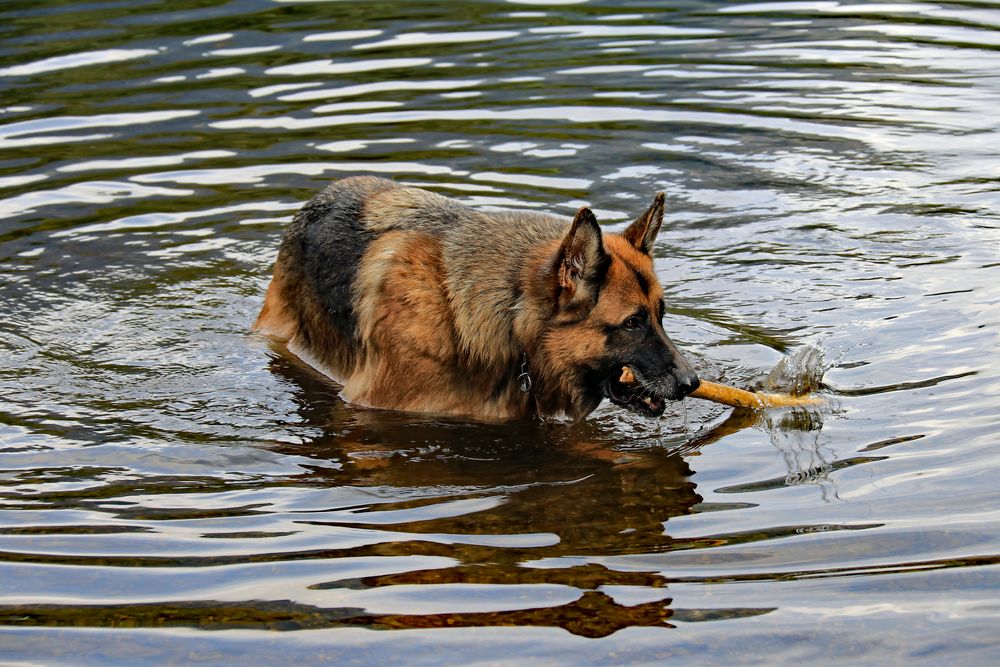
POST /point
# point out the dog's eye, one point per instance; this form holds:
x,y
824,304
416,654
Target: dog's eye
x,y
632,322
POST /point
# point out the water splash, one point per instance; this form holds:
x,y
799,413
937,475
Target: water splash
x,y
796,433
799,373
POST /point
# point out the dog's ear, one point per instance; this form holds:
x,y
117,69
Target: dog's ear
x,y
582,261
642,233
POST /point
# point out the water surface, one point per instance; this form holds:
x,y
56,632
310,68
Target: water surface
x,y
173,490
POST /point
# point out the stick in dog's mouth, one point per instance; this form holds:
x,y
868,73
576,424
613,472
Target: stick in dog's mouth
x,y
627,392
718,393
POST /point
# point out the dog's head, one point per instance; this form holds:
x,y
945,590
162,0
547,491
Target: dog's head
x,y
608,316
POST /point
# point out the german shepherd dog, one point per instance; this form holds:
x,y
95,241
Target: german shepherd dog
x,y
413,301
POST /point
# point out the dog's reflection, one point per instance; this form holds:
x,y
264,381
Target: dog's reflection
x,y
558,499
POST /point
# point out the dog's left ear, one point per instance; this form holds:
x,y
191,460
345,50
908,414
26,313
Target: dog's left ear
x,y
581,262
642,233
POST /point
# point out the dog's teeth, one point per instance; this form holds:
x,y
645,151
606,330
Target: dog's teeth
x,y
649,401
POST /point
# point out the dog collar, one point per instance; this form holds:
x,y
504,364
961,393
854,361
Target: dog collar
x,y
524,379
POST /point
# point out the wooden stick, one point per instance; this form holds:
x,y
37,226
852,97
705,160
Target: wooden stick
x,y
755,400
737,398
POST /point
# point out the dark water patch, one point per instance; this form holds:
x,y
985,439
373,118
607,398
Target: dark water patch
x,y
889,442
768,484
594,615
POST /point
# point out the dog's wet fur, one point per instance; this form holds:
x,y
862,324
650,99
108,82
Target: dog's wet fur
x,y
413,301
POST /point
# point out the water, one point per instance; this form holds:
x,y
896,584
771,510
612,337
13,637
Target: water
x,y
175,491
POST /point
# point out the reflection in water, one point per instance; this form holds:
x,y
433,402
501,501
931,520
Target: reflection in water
x,y
486,497
576,498
797,437
616,501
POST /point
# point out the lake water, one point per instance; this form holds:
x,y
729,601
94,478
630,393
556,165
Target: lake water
x,y
173,490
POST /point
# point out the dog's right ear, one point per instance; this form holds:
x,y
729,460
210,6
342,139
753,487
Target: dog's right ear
x,y
642,233
581,262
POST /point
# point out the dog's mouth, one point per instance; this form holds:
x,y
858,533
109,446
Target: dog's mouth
x,y
626,390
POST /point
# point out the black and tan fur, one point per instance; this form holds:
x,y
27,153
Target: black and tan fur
x,y
413,301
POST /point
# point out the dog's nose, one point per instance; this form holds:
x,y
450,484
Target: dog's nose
x,y
687,382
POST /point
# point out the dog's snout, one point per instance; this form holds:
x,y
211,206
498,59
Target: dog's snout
x,y
684,375
687,382
677,375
